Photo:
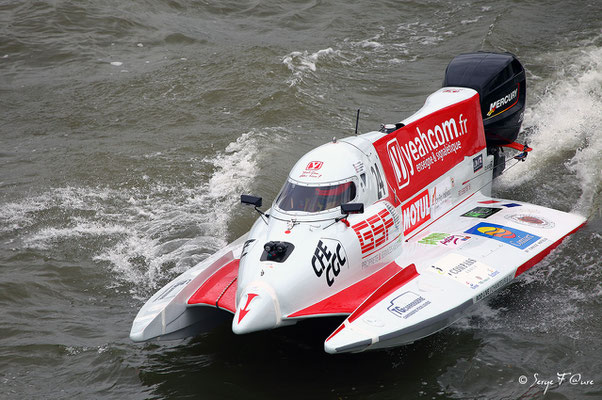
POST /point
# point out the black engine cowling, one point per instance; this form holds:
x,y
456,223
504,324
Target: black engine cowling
x,y
499,78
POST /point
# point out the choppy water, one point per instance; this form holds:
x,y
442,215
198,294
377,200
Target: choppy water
x,y
128,130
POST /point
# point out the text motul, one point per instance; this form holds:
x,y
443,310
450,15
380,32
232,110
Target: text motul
x,y
416,212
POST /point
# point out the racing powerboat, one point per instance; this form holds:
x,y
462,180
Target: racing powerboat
x,y
394,229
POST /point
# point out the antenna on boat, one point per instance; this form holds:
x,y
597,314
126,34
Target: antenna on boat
x,y
357,120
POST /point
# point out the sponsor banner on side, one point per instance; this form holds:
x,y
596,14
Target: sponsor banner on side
x,y
481,212
513,237
466,270
419,153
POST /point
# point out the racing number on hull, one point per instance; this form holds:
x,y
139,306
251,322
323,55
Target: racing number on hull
x,y
374,231
331,262
380,186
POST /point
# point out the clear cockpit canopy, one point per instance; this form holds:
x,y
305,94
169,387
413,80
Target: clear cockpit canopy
x,y
295,197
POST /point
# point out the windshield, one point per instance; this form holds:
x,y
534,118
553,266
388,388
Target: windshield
x,y
314,198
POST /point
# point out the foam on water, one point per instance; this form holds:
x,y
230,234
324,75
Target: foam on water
x,y
152,254
389,45
146,234
22,214
45,238
304,63
566,120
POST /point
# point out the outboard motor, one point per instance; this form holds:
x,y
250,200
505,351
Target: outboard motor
x,y
499,78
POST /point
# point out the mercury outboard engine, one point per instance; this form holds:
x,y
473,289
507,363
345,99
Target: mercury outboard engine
x,y
499,78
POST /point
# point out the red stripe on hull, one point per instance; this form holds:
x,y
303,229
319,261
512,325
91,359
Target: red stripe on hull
x,y
347,300
526,266
401,278
219,290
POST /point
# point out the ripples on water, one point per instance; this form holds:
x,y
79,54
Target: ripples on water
x,y
128,131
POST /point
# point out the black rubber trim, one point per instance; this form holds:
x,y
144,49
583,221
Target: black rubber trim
x,y
361,345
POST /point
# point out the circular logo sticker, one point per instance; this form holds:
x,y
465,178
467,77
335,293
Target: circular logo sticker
x,y
531,220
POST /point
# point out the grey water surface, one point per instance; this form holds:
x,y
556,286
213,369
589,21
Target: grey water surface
x,y
128,130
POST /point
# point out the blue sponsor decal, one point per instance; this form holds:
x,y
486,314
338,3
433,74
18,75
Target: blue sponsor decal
x,y
511,205
511,236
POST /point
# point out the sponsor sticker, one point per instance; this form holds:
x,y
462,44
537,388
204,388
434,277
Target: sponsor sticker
x,y
433,239
374,231
329,256
454,240
498,285
464,190
314,165
481,212
477,163
531,220
444,239
504,234
536,247
441,197
407,304
416,212
311,171
359,167
468,271
494,108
